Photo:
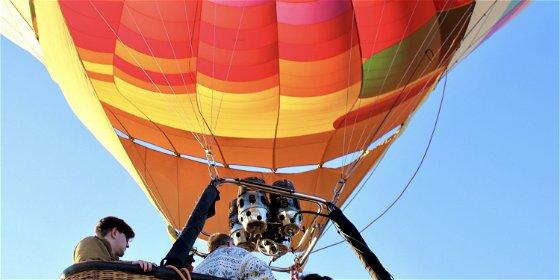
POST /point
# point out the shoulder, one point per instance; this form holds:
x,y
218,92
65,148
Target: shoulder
x,y
223,262
92,248
255,268
237,251
231,252
90,241
250,257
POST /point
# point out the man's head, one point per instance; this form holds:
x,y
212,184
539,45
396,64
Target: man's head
x,y
243,189
314,276
217,240
116,232
255,180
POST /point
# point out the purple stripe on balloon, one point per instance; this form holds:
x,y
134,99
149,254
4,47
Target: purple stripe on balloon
x,y
310,12
240,3
506,18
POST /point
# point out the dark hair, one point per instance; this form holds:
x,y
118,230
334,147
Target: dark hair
x,y
243,189
315,276
107,224
216,240
255,180
285,184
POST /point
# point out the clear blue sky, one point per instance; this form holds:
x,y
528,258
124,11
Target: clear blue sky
x,y
484,204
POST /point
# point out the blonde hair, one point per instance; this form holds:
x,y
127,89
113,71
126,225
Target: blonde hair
x,y
216,240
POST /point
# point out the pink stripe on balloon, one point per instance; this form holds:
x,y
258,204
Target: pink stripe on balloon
x,y
240,3
310,12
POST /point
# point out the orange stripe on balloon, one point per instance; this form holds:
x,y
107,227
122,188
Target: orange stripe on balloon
x,y
100,77
155,64
95,56
154,77
247,57
238,87
157,88
320,77
320,90
237,73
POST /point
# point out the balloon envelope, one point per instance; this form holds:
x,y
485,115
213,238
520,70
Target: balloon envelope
x,y
310,91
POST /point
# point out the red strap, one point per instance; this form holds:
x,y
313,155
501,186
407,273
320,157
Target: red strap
x,y
294,272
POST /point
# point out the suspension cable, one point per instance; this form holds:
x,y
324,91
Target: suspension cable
x,y
357,161
212,166
169,104
145,73
427,54
348,72
413,175
387,72
482,19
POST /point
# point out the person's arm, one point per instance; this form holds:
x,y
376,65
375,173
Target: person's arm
x,y
145,265
92,249
253,268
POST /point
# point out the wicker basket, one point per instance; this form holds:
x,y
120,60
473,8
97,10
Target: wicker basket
x,y
123,271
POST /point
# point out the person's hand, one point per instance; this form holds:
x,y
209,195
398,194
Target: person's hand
x,y
146,266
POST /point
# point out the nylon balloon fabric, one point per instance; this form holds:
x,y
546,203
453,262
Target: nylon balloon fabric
x,y
261,86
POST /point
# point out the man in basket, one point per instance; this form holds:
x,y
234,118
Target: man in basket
x,y
109,243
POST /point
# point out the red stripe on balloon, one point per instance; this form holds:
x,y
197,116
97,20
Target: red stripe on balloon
x,y
383,105
153,77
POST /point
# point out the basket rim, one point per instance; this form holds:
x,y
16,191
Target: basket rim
x,y
158,272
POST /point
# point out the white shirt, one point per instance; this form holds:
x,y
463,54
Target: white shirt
x,y
234,263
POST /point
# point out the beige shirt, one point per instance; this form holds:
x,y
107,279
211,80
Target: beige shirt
x,y
93,248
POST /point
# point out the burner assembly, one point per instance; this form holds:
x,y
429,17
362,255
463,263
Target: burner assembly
x,y
262,223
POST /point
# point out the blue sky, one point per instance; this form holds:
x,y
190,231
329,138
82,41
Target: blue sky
x,y
484,204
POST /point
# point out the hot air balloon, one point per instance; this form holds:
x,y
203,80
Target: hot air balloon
x,y
307,92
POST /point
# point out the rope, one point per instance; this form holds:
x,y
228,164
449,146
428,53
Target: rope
x,y
229,68
349,70
411,179
148,76
181,113
212,166
213,72
164,76
366,75
187,272
387,75
200,126
178,272
337,191
426,54
421,161
482,20
294,271
429,51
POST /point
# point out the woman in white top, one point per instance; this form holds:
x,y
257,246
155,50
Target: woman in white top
x,y
228,261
